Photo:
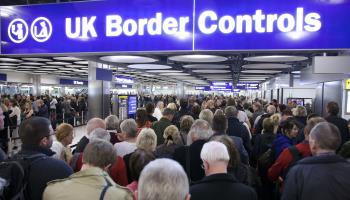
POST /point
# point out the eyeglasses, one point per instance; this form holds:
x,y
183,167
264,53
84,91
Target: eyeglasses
x,y
202,165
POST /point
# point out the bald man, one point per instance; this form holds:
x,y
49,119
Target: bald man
x,y
92,124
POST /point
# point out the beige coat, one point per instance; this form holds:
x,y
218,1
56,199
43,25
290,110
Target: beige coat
x,y
86,184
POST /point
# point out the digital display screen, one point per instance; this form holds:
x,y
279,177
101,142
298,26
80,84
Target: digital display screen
x,y
298,101
132,105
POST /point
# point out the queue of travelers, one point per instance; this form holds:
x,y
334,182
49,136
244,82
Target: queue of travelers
x,y
211,148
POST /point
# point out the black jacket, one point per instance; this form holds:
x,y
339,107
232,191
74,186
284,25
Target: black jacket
x,y
44,170
196,172
342,125
262,143
236,128
81,144
221,186
320,177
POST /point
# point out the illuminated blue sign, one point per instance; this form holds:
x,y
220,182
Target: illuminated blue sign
x,y
3,77
247,86
132,105
124,80
73,82
127,26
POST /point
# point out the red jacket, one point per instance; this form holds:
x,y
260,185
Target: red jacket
x,y
285,158
117,172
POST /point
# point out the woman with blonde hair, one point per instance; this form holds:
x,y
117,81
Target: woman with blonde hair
x,y
146,140
276,120
172,106
172,140
64,136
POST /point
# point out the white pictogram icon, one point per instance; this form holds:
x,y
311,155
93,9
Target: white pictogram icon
x,y
17,30
41,29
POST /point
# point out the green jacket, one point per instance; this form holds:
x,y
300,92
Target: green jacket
x,y
86,184
159,128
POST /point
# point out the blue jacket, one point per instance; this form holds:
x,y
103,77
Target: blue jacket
x,y
280,143
320,177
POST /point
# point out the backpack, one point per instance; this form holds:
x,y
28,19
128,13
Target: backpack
x,y
296,157
14,176
266,160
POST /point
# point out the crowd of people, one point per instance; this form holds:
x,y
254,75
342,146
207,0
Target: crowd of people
x,y
15,109
211,148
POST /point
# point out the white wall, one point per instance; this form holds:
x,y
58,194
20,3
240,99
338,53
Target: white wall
x,y
298,93
49,80
17,77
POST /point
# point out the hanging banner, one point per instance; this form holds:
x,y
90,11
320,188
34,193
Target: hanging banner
x,y
167,25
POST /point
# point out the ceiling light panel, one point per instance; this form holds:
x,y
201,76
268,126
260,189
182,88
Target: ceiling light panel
x,y
164,71
206,66
261,71
84,62
37,59
276,58
198,58
174,74
266,66
58,63
67,58
8,64
10,60
149,66
128,59
211,71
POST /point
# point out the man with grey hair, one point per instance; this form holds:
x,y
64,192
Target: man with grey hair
x,y
99,133
129,133
189,156
325,175
218,183
237,128
93,181
163,179
90,126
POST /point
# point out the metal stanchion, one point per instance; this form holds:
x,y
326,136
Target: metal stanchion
x,y
63,116
75,121
9,145
82,117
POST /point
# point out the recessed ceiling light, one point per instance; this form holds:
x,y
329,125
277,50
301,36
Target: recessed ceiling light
x,y
8,67
149,66
51,66
37,59
296,72
8,64
174,74
39,72
211,71
31,63
252,79
266,66
206,66
10,60
261,71
220,79
79,70
58,63
276,58
198,58
164,71
47,69
76,66
128,59
67,58
29,67
84,62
